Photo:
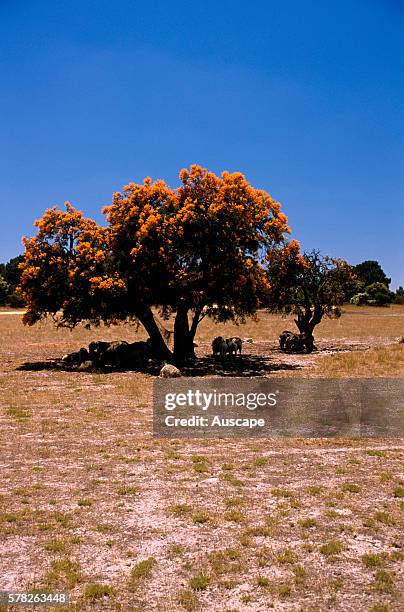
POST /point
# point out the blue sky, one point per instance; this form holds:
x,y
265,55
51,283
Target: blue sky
x,y
305,98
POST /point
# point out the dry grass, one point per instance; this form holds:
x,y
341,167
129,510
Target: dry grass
x,y
90,502
381,361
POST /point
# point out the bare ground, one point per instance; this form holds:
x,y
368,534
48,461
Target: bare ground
x,y
87,495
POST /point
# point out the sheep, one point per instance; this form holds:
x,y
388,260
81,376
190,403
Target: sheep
x,y
231,346
238,342
114,354
217,345
296,343
76,358
97,349
283,337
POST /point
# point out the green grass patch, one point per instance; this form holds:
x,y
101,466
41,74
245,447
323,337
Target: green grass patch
x,y
286,556
351,487
180,509
299,574
56,545
20,413
372,560
94,591
332,548
284,591
279,492
314,489
384,517
375,453
199,518
140,572
308,523
384,581
262,581
187,600
128,490
234,516
236,482
200,468
260,462
199,582
64,573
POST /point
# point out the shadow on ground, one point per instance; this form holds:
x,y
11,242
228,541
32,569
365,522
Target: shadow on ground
x,y
244,366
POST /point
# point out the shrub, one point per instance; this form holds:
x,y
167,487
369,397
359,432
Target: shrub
x,y
359,299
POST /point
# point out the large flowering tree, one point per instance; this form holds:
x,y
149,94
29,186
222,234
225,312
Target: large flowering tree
x,y
194,251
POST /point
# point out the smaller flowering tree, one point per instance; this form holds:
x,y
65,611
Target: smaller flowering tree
x,y
309,285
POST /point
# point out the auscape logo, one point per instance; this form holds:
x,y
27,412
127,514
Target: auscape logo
x,y
215,421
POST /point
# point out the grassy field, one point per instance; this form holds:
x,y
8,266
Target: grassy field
x,y
91,503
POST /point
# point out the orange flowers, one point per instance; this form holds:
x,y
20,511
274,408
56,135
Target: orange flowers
x,y
204,242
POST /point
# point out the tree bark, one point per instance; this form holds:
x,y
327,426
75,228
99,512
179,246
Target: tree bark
x,y
159,347
184,335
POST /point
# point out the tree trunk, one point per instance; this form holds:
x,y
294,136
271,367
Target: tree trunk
x,y
159,347
306,324
184,335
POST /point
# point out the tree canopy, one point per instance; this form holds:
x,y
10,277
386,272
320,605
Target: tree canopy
x,y
9,279
309,286
369,272
197,250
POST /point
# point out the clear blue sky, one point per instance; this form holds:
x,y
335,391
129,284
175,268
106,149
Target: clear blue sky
x,y
305,98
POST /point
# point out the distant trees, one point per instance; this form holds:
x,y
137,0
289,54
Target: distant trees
x,y
372,285
309,286
4,291
399,297
9,280
194,251
370,272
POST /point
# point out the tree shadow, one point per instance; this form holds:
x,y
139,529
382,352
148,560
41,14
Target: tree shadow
x,y
240,366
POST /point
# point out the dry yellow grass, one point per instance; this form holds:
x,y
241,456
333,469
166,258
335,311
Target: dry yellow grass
x,y
380,361
86,493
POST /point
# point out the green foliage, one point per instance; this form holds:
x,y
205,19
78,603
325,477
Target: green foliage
x,y
370,272
9,280
12,272
376,294
399,297
379,294
4,291
359,299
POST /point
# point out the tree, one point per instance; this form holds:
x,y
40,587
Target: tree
x,y
309,286
379,295
11,274
4,290
399,298
369,272
194,251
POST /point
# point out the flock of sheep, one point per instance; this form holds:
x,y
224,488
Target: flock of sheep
x,y
118,354
229,346
138,354
289,342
